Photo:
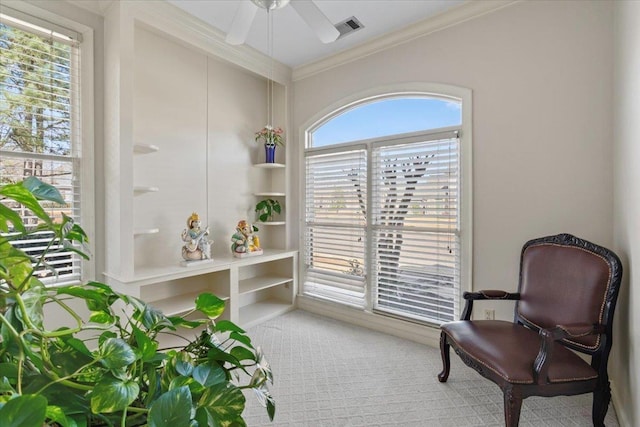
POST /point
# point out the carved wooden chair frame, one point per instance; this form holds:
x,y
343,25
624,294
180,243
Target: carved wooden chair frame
x,y
514,393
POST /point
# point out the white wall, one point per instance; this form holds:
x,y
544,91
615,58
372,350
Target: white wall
x,y
202,114
541,76
624,366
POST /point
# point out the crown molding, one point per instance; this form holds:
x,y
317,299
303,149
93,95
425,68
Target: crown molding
x,y
99,7
169,19
165,18
464,12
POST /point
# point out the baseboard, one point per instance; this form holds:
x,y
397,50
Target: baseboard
x,y
623,417
408,330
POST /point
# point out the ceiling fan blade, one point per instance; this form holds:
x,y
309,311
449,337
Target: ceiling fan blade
x,y
317,20
241,23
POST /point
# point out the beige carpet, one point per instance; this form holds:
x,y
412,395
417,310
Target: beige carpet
x,y
329,373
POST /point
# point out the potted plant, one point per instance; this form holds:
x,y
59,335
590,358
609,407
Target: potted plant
x,y
270,137
265,209
110,369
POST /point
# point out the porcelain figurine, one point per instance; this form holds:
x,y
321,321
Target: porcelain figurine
x,y
244,242
196,246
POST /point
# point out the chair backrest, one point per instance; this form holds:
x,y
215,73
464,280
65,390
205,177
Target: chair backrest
x,y
565,280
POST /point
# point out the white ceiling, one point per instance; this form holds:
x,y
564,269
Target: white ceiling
x,y
294,44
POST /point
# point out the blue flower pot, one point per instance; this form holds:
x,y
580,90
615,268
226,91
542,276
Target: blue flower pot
x,y
270,153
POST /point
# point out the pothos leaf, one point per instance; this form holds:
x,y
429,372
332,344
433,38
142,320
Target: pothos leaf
x,y
42,190
7,214
223,402
116,353
112,394
210,305
24,411
23,195
172,409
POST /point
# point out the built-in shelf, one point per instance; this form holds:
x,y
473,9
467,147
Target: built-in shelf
x,y
260,311
143,231
271,223
255,288
139,189
269,165
145,148
261,282
269,194
180,304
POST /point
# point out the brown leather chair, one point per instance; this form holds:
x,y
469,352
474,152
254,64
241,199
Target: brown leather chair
x,y
565,301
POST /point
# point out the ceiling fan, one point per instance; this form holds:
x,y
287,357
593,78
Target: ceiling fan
x,y
307,10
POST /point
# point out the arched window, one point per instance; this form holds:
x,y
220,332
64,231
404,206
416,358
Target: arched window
x,y
386,117
382,206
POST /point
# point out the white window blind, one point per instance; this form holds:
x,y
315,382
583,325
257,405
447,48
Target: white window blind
x,y
415,228
335,217
39,126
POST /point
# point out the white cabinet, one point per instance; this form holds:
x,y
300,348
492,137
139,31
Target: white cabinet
x,y
256,288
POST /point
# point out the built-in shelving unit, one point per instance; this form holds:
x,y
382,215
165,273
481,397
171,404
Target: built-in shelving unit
x,y
273,185
255,288
269,194
140,189
184,158
270,165
145,148
143,231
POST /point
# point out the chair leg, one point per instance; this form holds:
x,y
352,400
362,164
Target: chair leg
x,y
446,362
601,399
512,405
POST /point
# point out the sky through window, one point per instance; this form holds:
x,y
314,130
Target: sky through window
x,y
388,117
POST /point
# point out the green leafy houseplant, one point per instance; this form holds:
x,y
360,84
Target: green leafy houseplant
x,y
265,209
109,369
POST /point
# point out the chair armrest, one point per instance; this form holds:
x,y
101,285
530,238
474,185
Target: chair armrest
x,y
549,336
470,297
491,294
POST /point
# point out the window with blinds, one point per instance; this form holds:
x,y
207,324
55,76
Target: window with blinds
x,y
382,214
335,231
39,125
416,229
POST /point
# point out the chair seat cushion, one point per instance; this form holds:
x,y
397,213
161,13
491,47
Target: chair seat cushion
x,y
509,350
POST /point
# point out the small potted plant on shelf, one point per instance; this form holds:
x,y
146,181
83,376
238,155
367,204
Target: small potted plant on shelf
x,y
109,369
266,208
270,137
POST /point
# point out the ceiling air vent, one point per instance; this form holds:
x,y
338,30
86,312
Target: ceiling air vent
x,y
348,26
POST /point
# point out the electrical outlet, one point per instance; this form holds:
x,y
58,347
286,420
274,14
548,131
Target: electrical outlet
x,y
489,314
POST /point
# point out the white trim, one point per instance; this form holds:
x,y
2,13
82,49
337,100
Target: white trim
x,y
87,123
621,414
464,12
436,90
167,19
99,7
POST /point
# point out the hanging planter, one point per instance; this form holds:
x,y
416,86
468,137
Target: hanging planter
x,y
270,137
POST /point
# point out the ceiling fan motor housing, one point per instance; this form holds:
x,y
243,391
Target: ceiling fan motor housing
x,y
271,4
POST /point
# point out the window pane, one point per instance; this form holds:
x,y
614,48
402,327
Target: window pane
x,y
416,274
388,117
38,93
335,217
415,207
35,87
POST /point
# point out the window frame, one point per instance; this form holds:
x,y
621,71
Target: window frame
x,y
84,114
426,90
